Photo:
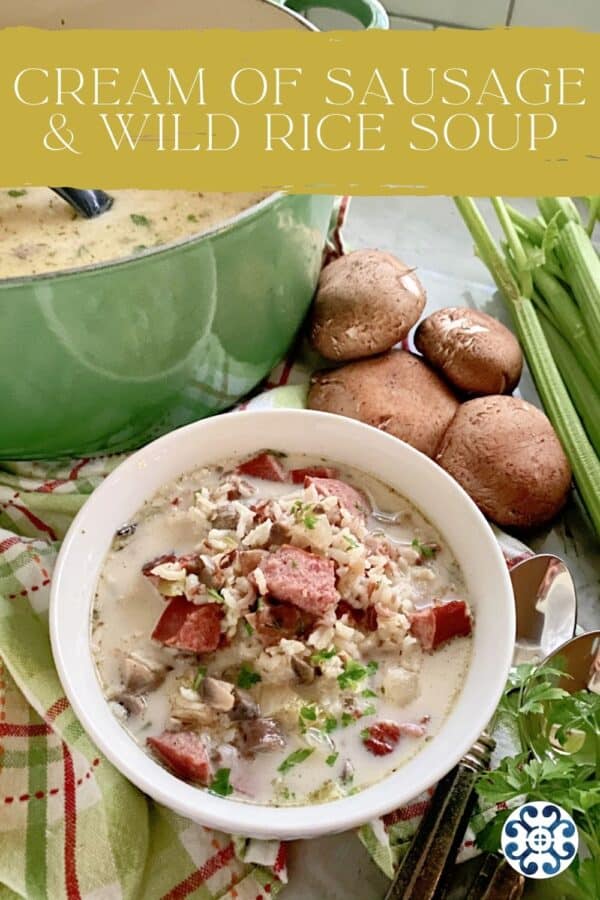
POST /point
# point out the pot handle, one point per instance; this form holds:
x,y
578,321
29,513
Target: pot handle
x,y
369,13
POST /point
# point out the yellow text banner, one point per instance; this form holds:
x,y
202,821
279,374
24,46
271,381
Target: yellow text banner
x,y
506,111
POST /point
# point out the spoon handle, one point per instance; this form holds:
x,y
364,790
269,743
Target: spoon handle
x,y
433,850
88,204
496,880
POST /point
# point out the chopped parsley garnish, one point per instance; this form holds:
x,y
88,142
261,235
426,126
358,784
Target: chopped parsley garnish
x,y
304,512
215,595
248,627
322,655
309,713
347,719
368,693
331,759
369,710
247,677
138,219
192,218
351,543
298,756
220,783
16,193
355,672
201,672
427,551
365,734
330,724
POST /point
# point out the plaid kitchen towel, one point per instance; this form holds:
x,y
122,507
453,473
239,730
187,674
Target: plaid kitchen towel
x,y
71,826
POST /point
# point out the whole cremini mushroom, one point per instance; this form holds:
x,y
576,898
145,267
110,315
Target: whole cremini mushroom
x,y
473,351
366,302
396,392
506,455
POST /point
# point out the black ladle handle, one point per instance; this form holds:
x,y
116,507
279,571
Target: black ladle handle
x,y
424,870
88,204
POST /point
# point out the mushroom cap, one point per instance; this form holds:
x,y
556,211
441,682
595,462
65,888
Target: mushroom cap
x,y
506,455
366,302
475,352
396,392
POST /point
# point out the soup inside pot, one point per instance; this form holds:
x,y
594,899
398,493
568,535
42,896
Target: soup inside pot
x,y
260,633
39,232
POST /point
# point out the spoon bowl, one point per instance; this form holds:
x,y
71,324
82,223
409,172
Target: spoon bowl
x,y
579,660
545,604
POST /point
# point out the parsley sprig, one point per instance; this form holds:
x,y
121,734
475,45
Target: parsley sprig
x,y
558,760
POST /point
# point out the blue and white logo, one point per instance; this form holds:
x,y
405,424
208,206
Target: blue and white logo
x,y
539,839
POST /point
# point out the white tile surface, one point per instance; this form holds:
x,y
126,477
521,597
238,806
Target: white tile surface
x,y
403,24
331,20
580,13
476,13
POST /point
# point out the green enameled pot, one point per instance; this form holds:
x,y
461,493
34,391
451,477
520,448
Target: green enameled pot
x,y
106,357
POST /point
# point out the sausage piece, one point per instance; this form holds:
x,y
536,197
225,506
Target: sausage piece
x,y
186,626
265,466
351,499
437,624
184,753
301,578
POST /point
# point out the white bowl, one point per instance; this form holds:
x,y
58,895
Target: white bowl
x,y
338,439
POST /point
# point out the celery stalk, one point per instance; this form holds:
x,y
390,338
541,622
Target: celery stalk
x,y
581,266
582,391
568,321
551,388
516,247
549,206
593,213
530,228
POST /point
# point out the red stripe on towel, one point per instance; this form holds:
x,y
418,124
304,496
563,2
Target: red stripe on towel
x,y
70,807
197,878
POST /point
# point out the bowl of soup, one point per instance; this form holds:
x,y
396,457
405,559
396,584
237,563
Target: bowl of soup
x,y
171,305
281,623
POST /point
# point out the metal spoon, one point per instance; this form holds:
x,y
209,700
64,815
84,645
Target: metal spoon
x,y
88,204
580,662
546,605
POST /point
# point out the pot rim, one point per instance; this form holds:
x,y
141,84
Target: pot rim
x,y
254,211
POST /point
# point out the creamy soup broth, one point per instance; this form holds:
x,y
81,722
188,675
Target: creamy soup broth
x,y
39,232
317,712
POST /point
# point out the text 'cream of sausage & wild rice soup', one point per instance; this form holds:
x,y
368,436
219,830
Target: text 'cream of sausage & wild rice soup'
x,y
264,636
